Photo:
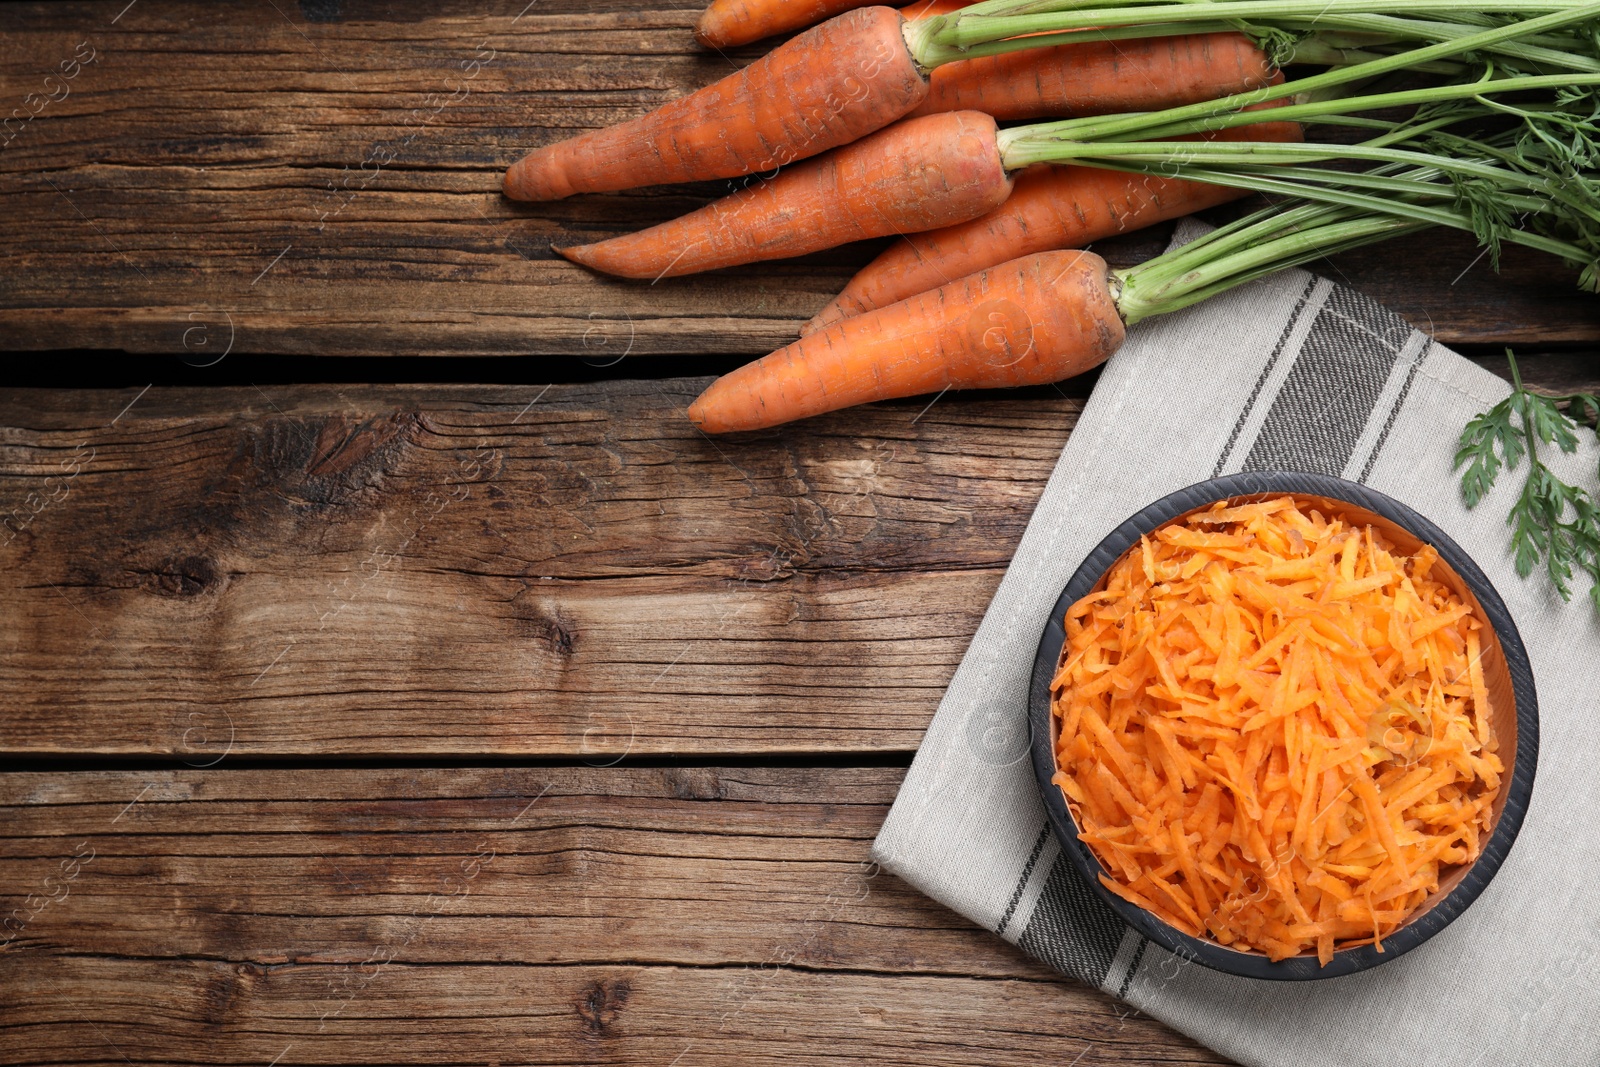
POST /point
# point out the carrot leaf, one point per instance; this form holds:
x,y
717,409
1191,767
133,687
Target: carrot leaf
x,y
1551,522
1489,441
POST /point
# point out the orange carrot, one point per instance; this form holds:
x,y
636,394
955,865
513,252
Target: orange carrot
x,y
1100,77
828,86
915,175
1050,207
727,23
1033,320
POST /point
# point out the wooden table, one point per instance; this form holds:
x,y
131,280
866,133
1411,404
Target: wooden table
x,y
501,718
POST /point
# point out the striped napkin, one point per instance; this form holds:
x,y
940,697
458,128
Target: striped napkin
x,y
1291,373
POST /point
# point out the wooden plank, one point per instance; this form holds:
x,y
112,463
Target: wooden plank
x,y
471,570
325,180
595,916
94,1010
571,571
1557,373
688,866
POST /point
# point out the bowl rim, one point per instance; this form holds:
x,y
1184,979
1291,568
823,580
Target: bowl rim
x,y
1518,783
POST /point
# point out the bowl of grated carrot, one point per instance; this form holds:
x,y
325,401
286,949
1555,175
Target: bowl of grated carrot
x,y
1283,725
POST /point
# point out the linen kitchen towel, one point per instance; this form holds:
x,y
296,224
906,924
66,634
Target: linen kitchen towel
x,y
1291,372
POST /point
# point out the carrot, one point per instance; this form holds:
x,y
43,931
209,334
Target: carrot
x,y
1040,329
857,73
921,174
915,175
727,23
1100,77
1211,862
1050,207
1033,320
828,86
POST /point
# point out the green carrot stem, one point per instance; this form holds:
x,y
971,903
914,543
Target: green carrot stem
x,y
931,54
1403,207
1385,31
1564,40
1534,48
1171,157
1247,231
1152,289
987,22
1286,180
1043,143
1324,45
1325,53
1349,236
1241,235
1329,38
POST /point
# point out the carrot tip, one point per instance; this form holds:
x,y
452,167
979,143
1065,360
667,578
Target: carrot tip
x,y
829,315
511,185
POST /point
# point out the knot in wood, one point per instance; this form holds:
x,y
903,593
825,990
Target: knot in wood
x,y
183,576
600,1004
694,783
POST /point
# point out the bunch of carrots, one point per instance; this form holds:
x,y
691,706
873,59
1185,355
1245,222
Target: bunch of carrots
x,y
881,122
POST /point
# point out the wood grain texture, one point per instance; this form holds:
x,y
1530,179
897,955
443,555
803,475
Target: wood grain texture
x,y
527,915
686,866
323,178
89,1009
565,571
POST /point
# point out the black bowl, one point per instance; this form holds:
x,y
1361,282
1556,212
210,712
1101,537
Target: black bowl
x,y
1514,712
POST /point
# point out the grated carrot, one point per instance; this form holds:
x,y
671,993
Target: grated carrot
x,y
1274,728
